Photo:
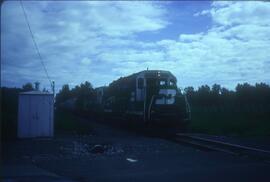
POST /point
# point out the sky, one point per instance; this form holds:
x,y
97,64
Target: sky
x,y
200,42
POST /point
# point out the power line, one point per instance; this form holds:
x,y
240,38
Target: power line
x,y
35,44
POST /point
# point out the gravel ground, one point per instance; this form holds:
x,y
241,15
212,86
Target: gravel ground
x,y
111,154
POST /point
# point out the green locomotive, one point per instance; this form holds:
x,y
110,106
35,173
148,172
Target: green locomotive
x,y
151,96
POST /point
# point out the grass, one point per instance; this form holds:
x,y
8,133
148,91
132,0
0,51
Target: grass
x,y
66,121
230,123
204,120
8,126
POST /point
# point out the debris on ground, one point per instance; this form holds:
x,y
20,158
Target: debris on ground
x,y
131,160
97,149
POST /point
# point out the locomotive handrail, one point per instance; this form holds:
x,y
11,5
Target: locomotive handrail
x,y
150,106
188,110
151,103
187,107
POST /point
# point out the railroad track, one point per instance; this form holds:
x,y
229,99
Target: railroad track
x,y
216,145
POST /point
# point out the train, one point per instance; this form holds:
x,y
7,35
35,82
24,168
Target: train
x,y
150,96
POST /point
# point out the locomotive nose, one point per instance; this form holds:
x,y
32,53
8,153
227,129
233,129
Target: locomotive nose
x,y
167,97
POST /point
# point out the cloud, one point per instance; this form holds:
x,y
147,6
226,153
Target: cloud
x,y
233,50
228,13
126,18
69,33
190,37
101,41
204,12
224,54
86,61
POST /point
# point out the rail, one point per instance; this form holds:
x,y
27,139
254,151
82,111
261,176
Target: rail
x,y
221,146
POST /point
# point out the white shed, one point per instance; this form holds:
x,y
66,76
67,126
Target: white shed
x,y
35,117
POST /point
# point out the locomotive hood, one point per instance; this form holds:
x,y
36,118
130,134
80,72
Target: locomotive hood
x,y
156,74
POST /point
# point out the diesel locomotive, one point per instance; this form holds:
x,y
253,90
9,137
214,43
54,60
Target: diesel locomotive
x,y
150,96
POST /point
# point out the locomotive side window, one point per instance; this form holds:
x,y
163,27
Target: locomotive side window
x,y
140,83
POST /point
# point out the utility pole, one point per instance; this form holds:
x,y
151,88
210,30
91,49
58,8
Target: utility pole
x,y
53,88
37,85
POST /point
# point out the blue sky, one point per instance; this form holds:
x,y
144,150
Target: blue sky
x,y
200,42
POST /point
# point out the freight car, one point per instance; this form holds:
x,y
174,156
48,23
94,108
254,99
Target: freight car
x,y
150,96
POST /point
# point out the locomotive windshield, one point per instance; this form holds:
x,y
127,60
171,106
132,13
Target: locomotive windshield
x,y
161,83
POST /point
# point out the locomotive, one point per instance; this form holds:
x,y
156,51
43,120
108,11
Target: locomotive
x,y
150,96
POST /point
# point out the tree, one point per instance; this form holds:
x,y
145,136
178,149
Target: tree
x,y
190,93
28,87
63,95
216,89
203,95
85,95
245,93
189,90
262,93
204,89
224,91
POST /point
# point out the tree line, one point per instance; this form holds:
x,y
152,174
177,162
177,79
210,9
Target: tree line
x,y
244,97
84,96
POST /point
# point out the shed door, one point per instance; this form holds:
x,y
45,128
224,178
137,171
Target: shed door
x,y
34,116
25,117
27,126
40,119
44,119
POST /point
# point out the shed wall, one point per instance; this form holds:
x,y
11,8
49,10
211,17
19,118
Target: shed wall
x,y
35,117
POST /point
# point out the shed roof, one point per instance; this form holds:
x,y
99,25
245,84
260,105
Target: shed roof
x,y
35,92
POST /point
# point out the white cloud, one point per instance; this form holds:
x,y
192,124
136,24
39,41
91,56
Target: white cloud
x,y
128,55
190,37
125,18
224,54
69,33
86,61
204,12
99,42
233,50
234,13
